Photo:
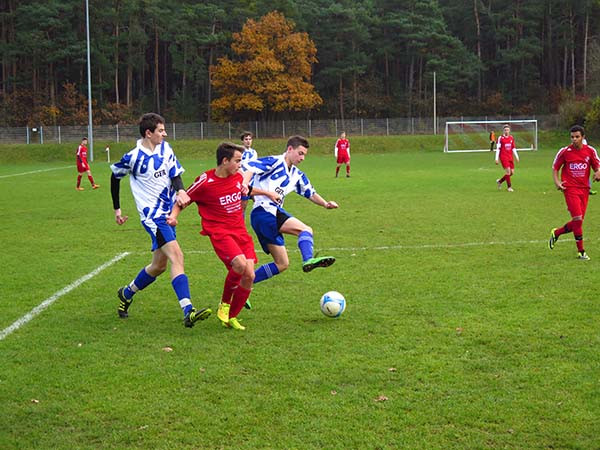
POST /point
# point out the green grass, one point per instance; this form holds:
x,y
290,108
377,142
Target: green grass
x,y
457,312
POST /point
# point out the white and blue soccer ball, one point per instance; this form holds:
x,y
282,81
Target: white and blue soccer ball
x,y
333,304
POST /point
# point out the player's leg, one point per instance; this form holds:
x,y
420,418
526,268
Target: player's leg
x,y
91,179
337,169
507,175
179,281
348,169
79,176
245,268
266,227
296,227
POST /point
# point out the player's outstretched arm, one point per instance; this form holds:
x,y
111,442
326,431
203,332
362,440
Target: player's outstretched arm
x,y
318,200
597,175
182,198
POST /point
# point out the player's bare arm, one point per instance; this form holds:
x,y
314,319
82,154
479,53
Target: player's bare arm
x,y
274,196
558,182
172,217
597,175
318,200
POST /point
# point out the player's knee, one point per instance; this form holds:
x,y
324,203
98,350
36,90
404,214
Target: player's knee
x,y
282,265
307,228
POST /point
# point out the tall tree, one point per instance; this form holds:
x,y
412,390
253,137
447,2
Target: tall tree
x,y
271,71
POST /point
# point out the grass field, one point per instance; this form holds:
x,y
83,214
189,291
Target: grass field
x,y
462,330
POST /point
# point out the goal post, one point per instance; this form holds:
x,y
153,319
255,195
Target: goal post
x,y
474,135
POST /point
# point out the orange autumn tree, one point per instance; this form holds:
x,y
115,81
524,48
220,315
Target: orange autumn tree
x,y
271,70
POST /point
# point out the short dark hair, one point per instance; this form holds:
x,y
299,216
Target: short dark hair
x,y
576,128
84,138
297,141
246,133
226,150
150,121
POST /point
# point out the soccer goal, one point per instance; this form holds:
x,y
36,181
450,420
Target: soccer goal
x,y
474,135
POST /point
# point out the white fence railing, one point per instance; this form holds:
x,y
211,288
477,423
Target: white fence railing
x,y
231,130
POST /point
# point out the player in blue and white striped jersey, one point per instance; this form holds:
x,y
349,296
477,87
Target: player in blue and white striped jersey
x,y
155,180
268,218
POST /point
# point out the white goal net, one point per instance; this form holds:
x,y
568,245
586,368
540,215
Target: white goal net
x,y
474,136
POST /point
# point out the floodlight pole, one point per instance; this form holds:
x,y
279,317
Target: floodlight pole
x,y
89,81
434,106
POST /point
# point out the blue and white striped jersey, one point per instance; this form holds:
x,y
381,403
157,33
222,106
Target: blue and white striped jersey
x,y
273,174
249,153
150,180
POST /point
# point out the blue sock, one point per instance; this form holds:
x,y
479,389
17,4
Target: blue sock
x,y
141,281
305,244
181,286
265,272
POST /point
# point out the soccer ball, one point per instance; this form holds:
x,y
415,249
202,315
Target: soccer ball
x,y
333,304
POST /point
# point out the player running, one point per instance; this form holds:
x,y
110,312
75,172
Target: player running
x,y
218,194
156,185
268,218
574,164
504,154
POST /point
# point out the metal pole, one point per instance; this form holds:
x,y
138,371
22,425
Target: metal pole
x,y
41,135
174,136
27,128
89,81
118,133
434,106
59,140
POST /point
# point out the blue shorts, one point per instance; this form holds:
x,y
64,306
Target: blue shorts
x,y
266,226
160,231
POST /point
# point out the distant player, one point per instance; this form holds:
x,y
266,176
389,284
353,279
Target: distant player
x,y
83,166
270,221
218,194
504,154
574,163
492,141
342,154
155,181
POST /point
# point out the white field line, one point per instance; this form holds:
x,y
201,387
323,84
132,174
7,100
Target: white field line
x,y
403,247
46,303
35,171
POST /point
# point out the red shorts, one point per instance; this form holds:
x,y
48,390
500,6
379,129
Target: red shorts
x,y
228,246
343,158
82,167
507,163
577,202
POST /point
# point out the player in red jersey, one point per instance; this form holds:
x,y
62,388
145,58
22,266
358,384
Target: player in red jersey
x,y
504,154
83,166
218,194
342,154
574,163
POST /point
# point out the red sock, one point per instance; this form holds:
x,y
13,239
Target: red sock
x,y
337,170
507,177
232,280
240,295
91,178
78,180
577,227
502,179
348,169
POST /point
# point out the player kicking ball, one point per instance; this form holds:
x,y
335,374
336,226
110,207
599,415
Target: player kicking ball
x,y
268,218
218,194
573,163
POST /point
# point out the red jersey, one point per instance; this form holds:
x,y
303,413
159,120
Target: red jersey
x,y
219,203
576,164
82,154
342,146
506,144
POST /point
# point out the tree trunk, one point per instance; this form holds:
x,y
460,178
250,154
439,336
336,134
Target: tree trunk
x,y
478,34
341,99
211,56
571,26
411,81
156,73
585,49
164,71
117,94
